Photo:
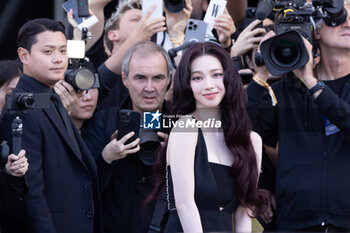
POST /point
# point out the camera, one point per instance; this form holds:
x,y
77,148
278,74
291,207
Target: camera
x,y
174,5
149,143
296,19
81,75
17,102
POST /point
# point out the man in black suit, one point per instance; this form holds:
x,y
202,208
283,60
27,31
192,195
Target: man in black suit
x,y
63,193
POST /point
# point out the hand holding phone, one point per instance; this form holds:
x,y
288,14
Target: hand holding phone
x,y
156,13
124,140
116,150
81,16
128,121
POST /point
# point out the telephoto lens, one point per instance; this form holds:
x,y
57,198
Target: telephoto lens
x,y
149,143
82,75
26,101
284,53
80,79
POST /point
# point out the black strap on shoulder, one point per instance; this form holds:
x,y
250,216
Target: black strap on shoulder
x,y
159,212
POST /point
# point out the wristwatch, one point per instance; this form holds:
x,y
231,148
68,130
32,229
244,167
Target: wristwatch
x,y
259,60
319,85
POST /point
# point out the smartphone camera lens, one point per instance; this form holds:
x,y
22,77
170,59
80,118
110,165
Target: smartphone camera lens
x,y
190,28
125,117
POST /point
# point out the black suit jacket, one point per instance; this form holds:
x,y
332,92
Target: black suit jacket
x,y
63,193
12,190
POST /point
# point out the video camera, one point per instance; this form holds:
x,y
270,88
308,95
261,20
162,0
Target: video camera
x,y
286,51
17,104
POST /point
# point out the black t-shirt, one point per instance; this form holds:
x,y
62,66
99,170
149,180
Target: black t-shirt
x,y
337,85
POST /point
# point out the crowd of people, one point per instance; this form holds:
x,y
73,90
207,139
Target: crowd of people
x,y
276,149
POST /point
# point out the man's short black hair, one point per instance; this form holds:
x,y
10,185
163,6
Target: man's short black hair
x,y
27,33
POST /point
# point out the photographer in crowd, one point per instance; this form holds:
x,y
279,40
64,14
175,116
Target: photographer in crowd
x,y
311,122
63,191
124,28
126,169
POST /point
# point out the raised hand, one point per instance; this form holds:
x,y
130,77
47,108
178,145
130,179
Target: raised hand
x,y
116,150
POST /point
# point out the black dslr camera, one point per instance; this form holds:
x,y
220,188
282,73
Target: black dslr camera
x,y
286,51
81,74
149,144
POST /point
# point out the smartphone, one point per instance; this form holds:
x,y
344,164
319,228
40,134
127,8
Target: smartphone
x,y
82,21
128,120
157,13
83,8
195,30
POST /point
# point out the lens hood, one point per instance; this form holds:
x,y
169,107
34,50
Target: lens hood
x,y
284,52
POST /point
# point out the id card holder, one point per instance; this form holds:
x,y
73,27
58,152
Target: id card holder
x,y
330,128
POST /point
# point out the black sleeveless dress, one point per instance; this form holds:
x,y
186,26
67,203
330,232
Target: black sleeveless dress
x,y
214,188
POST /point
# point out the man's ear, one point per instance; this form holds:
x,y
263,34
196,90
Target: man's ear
x,y
23,55
113,35
125,80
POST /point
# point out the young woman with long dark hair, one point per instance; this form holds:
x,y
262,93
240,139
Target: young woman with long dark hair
x,y
210,172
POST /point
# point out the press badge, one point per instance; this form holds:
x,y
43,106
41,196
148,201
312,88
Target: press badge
x,y
330,128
